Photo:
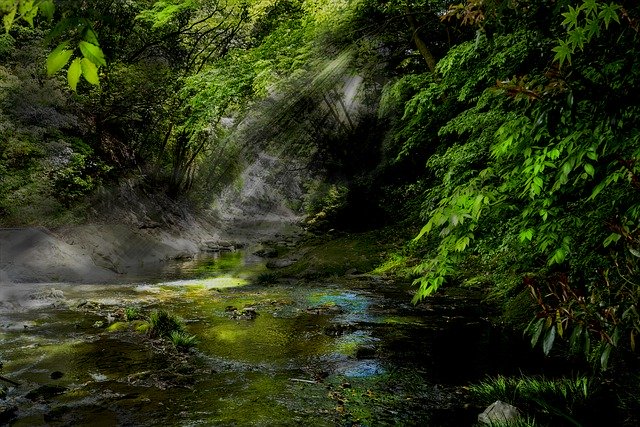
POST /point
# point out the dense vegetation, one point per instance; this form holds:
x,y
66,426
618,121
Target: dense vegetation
x,y
510,128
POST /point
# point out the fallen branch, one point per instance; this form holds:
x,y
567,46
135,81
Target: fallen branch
x,y
9,381
298,380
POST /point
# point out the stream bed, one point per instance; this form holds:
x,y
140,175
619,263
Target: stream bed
x,y
345,351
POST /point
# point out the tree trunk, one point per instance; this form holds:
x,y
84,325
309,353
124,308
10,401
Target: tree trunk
x,y
420,44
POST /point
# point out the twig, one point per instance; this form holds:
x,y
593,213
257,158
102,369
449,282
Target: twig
x,y
298,380
9,381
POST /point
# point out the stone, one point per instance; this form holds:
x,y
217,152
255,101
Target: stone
x,y
498,412
56,375
45,392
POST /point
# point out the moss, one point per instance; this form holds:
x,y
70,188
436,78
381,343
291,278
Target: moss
x,y
141,326
118,326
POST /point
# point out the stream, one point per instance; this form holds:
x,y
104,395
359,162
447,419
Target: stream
x,y
345,351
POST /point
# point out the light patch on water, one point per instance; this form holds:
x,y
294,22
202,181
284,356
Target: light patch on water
x,y
212,283
362,369
98,377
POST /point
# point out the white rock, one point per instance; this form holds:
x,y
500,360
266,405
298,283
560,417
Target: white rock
x,y
499,411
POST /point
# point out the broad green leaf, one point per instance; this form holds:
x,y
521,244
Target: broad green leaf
x,y
47,8
613,238
537,331
526,234
29,15
91,37
90,72
9,18
93,53
549,338
74,72
589,169
58,59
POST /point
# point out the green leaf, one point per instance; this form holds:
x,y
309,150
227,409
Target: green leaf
x,y
589,169
597,190
47,8
549,338
74,72
58,59
575,337
93,53
608,14
634,252
91,37
90,72
526,235
613,238
604,357
9,18
563,52
537,331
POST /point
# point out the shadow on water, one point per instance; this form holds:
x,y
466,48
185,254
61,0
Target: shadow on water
x,y
341,352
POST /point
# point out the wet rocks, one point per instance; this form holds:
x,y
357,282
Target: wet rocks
x,y
247,313
280,263
325,309
266,252
56,375
220,246
45,392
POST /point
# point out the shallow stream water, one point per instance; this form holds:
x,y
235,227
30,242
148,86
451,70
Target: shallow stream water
x,y
346,351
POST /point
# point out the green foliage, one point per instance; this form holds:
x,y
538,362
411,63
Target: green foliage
x,y
583,23
553,399
132,313
182,340
78,178
532,170
163,325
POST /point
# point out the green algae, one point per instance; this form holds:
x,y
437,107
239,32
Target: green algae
x,y
245,371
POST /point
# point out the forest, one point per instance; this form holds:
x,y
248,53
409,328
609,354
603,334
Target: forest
x,y
485,147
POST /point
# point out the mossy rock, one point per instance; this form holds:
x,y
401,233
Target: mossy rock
x,y
118,326
141,326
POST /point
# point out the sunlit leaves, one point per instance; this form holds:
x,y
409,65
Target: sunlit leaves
x,y
58,58
92,52
25,10
90,71
583,23
73,73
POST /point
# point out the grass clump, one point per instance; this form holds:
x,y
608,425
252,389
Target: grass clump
x,y
162,324
559,399
182,340
131,314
